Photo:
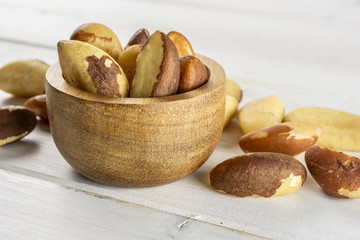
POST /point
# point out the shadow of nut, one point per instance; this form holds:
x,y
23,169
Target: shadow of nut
x,y
291,138
258,174
337,173
15,123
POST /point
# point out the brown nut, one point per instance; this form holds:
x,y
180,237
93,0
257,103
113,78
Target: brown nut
x,y
193,73
182,44
140,37
337,173
24,78
127,61
157,70
38,105
100,36
289,138
233,89
258,174
15,123
89,68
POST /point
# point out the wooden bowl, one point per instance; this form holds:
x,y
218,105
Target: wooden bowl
x,y
136,142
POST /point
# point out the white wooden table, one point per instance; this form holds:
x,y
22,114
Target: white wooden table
x,y
306,52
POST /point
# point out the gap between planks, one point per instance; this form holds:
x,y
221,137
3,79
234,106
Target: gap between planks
x,y
26,43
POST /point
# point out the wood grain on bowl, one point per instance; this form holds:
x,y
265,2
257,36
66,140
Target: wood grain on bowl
x,y
136,142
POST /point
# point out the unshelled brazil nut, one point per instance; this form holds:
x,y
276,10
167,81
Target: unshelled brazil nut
x,y
336,172
15,123
258,174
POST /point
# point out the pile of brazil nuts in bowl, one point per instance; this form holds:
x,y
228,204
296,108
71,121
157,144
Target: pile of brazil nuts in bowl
x,y
166,65
153,65
156,124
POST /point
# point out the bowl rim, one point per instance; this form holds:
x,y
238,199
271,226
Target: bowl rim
x,y
55,79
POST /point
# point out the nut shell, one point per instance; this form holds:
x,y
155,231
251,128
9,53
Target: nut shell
x,y
337,173
15,123
258,174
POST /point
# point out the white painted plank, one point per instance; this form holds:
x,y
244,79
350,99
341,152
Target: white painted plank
x,y
37,209
12,51
307,213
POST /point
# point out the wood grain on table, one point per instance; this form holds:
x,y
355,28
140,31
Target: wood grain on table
x,y
305,52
